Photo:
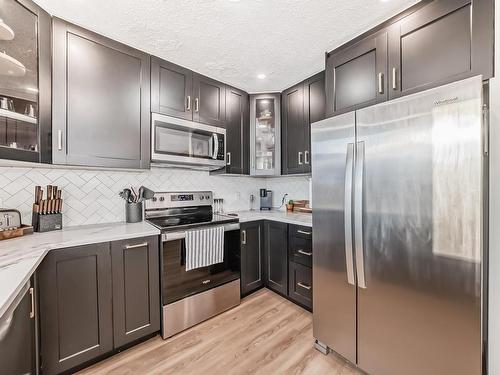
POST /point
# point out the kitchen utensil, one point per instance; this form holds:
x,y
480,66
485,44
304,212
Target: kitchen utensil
x,y
147,193
134,195
141,193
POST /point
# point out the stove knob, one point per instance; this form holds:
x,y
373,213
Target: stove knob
x,y
162,199
208,197
202,197
154,199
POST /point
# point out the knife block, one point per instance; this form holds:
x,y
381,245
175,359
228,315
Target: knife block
x,y
46,222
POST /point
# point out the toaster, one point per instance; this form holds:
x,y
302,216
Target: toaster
x,y
9,219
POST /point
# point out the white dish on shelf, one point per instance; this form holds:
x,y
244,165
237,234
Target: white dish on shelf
x,y
9,66
6,33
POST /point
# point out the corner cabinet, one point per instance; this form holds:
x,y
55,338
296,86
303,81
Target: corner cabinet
x,y
101,100
302,105
265,135
25,84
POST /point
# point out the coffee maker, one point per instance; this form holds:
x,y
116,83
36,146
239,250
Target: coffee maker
x,y
266,199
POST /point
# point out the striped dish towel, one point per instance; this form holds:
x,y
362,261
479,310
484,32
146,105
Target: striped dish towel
x,y
204,247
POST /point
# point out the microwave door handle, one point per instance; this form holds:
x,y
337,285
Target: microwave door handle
x,y
215,145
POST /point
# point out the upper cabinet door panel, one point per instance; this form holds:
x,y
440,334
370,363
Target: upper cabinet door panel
x,y
171,87
314,110
101,100
356,75
237,131
210,101
437,44
293,130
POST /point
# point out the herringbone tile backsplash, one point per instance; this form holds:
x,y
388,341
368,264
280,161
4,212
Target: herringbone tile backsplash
x,y
91,196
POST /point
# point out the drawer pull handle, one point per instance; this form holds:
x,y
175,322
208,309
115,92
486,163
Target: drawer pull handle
x,y
304,232
304,252
305,286
128,247
32,300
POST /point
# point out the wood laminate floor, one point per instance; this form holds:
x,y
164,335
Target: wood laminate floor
x,y
266,334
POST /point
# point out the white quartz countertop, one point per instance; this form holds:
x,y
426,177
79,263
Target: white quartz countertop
x,y
19,257
297,218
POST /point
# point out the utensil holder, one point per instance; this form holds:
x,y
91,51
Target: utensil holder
x,y
133,212
46,222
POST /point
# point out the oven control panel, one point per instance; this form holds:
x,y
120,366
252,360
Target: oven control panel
x,y
179,199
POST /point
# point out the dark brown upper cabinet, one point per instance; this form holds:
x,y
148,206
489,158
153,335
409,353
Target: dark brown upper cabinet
x,y
209,105
171,87
101,100
302,105
237,132
25,83
356,76
444,41
179,92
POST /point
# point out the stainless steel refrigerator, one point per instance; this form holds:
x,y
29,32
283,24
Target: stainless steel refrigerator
x,y
398,233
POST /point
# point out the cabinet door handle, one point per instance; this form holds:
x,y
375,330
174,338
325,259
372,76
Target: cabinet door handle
x,y
304,232
243,237
304,252
306,157
381,83
228,158
394,79
128,247
196,105
300,158
188,103
32,296
305,286
59,140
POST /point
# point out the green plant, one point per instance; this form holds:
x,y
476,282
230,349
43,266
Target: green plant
x,y
290,202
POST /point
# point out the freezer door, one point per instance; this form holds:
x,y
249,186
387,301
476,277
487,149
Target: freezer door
x,y
334,293
420,222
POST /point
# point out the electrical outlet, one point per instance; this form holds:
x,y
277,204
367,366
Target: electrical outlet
x,y
1,203
238,195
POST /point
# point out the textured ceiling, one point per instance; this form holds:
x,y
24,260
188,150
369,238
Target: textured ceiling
x,y
233,40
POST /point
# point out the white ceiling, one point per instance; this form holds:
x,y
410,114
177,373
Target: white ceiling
x,y
233,40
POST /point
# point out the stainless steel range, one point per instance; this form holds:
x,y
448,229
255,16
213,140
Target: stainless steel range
x,y
190,297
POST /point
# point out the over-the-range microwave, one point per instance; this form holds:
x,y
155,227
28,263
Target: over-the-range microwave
x,y
185,143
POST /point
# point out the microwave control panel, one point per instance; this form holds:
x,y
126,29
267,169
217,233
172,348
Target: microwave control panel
x,y
220,148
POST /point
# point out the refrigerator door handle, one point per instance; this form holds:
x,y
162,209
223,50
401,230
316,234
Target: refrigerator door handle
x,y
358,213
348,213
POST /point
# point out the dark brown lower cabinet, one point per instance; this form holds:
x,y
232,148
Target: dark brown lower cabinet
x,y
95,299
276,256
251,257
136,295
76,323
300,284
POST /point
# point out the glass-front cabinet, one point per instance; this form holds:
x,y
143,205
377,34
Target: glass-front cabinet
x,y
265,135
25,87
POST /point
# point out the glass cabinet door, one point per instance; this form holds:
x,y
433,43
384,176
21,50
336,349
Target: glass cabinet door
x,y
265,135
19,79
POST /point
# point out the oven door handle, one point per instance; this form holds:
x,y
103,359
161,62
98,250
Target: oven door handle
x,y
172,236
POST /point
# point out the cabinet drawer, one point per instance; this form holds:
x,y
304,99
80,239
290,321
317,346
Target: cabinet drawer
x,y
300,231
300,250
300,284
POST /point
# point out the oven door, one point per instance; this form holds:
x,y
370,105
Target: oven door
x,y
177,283
177,141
